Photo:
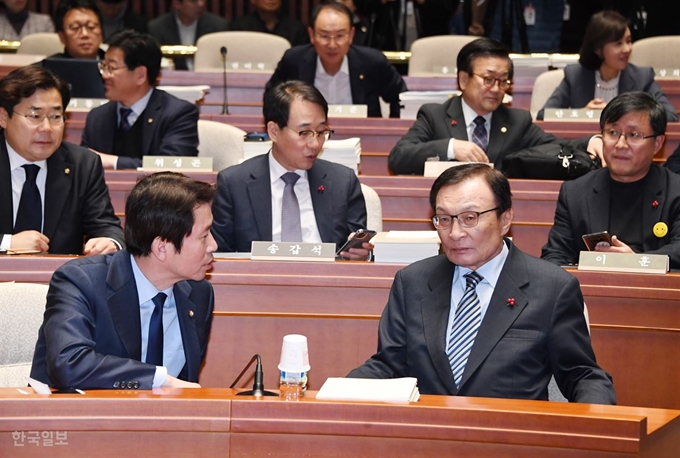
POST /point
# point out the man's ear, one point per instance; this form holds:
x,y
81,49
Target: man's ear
x,y
62,37
310,31
658,142
463,79
273,131
506,220
159,248
4,118
141,74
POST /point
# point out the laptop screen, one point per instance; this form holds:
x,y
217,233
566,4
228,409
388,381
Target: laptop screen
x,y
81,75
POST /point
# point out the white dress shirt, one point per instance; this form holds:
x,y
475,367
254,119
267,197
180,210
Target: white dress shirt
x,y
336,88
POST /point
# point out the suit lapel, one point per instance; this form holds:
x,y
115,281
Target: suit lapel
x,y
260,195
105,132
187,326
655,186
626,81
597,203
499,317
6,208
153,108
322,201
356,78
60,173
500,126
308,67
435,309
123,302
455,122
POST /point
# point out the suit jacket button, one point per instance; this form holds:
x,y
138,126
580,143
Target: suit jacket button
x,y
116,384
129,385
135,385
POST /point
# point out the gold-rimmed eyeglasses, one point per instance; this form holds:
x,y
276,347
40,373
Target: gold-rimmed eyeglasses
x,y
325,134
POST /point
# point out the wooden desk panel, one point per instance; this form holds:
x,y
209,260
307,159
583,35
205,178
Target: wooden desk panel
x,y
214,422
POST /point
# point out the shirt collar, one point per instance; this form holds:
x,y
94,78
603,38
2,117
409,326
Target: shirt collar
x,y
16,161
469,114
344,67
145,289
276,170
140,105
490,271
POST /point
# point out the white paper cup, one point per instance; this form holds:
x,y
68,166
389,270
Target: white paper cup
x,y
294,354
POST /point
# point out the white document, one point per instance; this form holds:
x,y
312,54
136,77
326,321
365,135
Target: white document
x,y
359,389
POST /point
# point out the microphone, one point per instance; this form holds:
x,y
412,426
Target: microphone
x,y
258,384
225,104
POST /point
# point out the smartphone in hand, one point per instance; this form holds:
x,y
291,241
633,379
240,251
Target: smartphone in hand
x,y
591,240
357,240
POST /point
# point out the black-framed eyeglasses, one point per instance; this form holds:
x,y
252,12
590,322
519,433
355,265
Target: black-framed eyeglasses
x,y
325,134
36,119
632,138
465,219
76,27
490,81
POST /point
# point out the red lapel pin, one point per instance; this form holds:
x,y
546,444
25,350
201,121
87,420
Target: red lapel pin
x,y
511,302
655,203
454,123
321,188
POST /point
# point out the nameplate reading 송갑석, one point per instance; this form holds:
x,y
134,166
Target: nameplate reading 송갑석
x,y
292,251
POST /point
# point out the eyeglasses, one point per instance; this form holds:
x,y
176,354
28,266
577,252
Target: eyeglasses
x,y
325,134
107,69
36,119
465,219
325,39
76,27
490,81
632,138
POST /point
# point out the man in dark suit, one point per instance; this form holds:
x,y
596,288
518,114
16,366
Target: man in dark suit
x,y
251,197
53,197
343,73
139,318
139,120
446,131
637,202
187,23
485,319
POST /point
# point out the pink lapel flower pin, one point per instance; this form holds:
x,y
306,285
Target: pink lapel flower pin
x,y
655,204
321,189
454,123
511,302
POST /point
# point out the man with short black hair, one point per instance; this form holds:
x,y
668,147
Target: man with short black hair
x,y
139,318
53,197
139,120
78,24
343,73
633,199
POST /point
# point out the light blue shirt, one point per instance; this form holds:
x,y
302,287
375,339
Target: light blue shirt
x,y
137,108
173,349
490,272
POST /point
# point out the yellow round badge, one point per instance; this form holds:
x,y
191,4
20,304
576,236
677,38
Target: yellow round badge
x,y
660,230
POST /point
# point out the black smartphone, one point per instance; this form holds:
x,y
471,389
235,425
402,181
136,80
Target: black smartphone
x,y
596,237
256,137
359,237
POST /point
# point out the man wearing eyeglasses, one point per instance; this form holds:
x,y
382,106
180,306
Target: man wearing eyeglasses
x,y
344,74
139,120
636,201
78,24
53,197
475,127
290,194
485,319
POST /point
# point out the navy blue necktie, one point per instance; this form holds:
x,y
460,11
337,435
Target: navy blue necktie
x,y
154,348
29,213
479,135
124,123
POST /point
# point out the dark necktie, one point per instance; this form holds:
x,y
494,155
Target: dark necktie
x,y
465,326
124,123
290,210
29,214
479,135
154,348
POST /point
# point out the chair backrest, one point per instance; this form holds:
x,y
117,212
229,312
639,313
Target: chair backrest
x,y
242,47
44,44
554,393
657,52
222,142
544,85
439,51
373,208
21,313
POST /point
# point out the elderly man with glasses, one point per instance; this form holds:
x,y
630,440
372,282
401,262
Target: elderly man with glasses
x,y
345,74
53,197
475,127
289,194
633,199
139,120
484,319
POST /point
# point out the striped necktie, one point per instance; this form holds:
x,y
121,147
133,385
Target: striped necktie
x,y
479,135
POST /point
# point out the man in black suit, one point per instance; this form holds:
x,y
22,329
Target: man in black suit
x,y
139,120
344,74
139,318
637,202
446,131
485,319
249,203
53,197
187,23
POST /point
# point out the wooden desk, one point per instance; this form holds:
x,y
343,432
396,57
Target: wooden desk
x,y
634,319
214,422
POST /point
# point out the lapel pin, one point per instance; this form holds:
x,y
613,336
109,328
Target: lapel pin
x,y
454,123
150,120
655,204
67,171
361,77
511,302
660,230
191,313
321,189
504,129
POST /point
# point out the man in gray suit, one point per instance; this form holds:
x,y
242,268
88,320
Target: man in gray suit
x,y
250,201
485,319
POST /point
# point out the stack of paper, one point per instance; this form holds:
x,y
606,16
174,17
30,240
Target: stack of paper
x,y
411,101
252,149
405,247
346,152
361,389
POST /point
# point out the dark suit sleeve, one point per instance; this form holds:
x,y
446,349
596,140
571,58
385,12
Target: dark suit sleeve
x,y
571,354
422,141
558,99
391,359
562,248
70,340
285,70
652,88
391,85
223,216
356,207
673,162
